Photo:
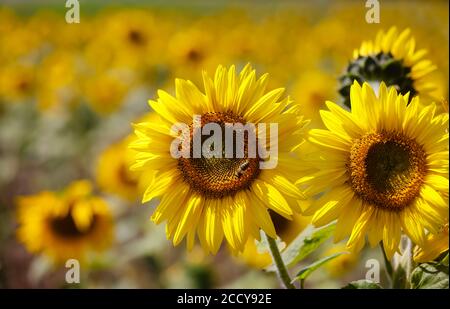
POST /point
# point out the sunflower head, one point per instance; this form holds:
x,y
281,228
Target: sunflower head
x,y
383,168
66,225
113,171
393,59
224,195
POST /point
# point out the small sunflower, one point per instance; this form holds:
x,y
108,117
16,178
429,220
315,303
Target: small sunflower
x,y
383,168
65,225
216,198
113,171
434,246
311,90
393,59
17,82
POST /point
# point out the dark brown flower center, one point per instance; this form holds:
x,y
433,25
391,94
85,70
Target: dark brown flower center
x,y
387,169
194,55
125,177
221,176
136,37
66,227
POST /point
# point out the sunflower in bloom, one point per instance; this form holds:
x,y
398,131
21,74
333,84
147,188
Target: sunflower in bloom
x,y
393,59
65,225
383,169
216,198
434,246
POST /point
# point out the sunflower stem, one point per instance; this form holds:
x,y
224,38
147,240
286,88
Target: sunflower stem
x,y
278,261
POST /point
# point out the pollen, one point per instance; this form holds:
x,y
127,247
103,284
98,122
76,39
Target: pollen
x,y
387,169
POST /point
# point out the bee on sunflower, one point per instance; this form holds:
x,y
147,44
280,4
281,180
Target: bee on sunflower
x,y
66,225
383,169
393,59
217,198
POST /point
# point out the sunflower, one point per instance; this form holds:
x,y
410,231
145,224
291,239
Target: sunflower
x,y
17,82
393,59
65,225
383,168
287,230
113,173
216,198
105,92
311,90
434,246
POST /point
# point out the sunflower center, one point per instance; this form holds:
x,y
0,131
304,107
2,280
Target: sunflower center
x,y
136,37
218,177
376,68
66,227
194,55
125,177
387,169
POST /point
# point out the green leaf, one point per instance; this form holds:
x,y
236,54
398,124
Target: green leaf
x,y
305,243
430,276
362,284
308,270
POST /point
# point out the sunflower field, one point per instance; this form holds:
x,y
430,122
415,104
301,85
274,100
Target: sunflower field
x,y
116,172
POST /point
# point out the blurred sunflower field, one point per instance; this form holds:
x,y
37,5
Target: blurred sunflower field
x,y
82,156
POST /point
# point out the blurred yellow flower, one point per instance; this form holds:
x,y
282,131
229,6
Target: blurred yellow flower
x,y
191,50
58,78
113,171
17,82
135,37
311,90
105,92
383,168
215,198
66,225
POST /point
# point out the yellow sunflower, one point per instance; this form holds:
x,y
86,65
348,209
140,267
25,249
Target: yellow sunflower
x,y
216,197
393,59
435,245
65,225
311,90
383,168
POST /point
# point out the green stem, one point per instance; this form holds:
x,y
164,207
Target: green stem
x,y
387,263
278,261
